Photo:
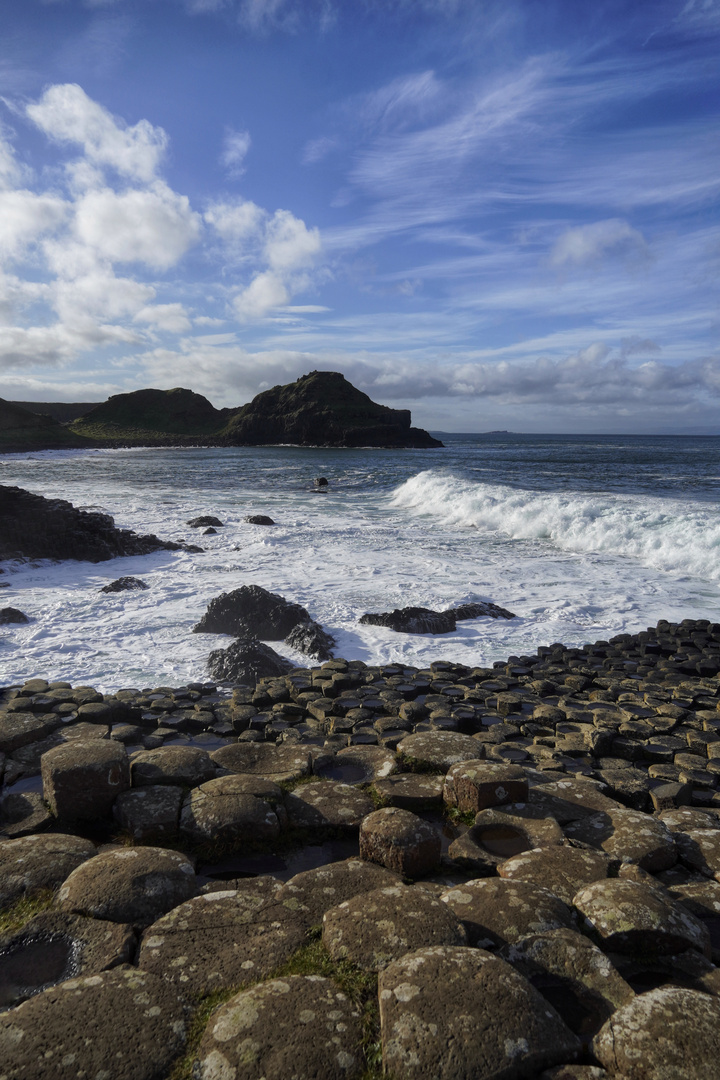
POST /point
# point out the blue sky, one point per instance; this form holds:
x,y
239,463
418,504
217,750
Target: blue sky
x,y
499,215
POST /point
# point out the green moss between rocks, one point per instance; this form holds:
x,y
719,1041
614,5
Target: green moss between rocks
x,y
14,917
460,817
310,959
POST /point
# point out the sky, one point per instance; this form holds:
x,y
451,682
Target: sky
x,y
501,215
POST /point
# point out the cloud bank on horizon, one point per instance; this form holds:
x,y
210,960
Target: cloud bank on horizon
x,y
498,214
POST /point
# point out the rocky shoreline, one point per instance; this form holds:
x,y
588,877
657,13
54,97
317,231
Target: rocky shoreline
x,y
350,871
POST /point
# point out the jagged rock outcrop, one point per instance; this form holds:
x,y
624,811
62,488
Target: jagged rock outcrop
x,y
421,620
253,612
246,661
323,409
33,527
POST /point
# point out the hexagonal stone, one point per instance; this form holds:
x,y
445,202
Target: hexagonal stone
x,y
221,810
129,885
313,892
149,813
23,813
277,763
476,786
30,863
457,1013
327,804
53,947
18,729
401,841
301,1026
574,975
221,939
581,797
562,870
496,912
376,927
667,1034
356,765
630,917
184,766
497,835
410,791
127,1019
82,779
439,749
699,849
628,835
686,818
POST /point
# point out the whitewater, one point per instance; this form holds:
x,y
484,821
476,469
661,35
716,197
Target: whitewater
x,y
583,538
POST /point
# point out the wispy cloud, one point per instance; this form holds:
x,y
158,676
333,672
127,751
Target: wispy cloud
x,y
235,148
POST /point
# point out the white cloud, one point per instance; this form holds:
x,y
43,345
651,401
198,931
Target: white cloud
x,y
265,292
24,217
99,294
240,221
235,147
289,244
10,171
587,244
155,226
66,114
169,317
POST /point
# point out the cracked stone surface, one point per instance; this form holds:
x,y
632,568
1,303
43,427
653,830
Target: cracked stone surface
x,y
400,841
666,1034
327,804
149,813
29,863
300,1026
454,1013
186,766
439,749
82,778
276,763
221,810
476,786
628,835
496,912
116,1025
221,939
313,892
378,926
562,870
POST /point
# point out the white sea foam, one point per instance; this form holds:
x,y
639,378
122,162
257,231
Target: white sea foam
x,y
662,534
549,558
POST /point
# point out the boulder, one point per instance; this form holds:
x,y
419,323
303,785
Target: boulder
x,y
258,519
221,939
496,835
400,841
251,612
222,811
376,927
327,804
18,729
149,813
31,863
127,1019
53,947
412,620
634,917
125,584
496,912
246,661
82,779
356,764
478,610
410,791
439,750
205,521
628,835
562,870
10,615
186,766
308,637
129,885
313,892
474,786
275,763
666,1034
457,1013
23,813
298,1026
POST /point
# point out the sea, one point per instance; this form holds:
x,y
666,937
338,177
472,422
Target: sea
x,y
581,537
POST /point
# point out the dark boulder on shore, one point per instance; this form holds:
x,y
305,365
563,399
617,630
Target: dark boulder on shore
x,y
258,519
310,638
421,620
251,611
125,584
246,661
10,615
205,521
33,527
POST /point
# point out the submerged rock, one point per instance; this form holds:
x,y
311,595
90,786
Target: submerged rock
x,y
124,584
310,638
9,615
258,519
205,521
412,620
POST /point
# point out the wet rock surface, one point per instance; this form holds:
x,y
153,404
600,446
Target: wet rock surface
x,y
125,584
560,809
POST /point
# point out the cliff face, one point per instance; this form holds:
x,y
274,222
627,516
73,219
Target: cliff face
x,y
21,429
322,409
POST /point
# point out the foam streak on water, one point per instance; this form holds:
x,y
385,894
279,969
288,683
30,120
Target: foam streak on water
x,y
579,540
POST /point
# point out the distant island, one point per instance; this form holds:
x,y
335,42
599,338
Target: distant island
x,y
319,409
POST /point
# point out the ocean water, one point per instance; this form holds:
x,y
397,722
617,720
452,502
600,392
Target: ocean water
x,y
581,537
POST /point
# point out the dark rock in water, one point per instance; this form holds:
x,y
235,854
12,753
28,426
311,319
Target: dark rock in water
x,y
12,615
259,519
412,620
210,531
246,661
322,409
475,611
33,527
320,481
310,638
125,584
251,612
204,521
